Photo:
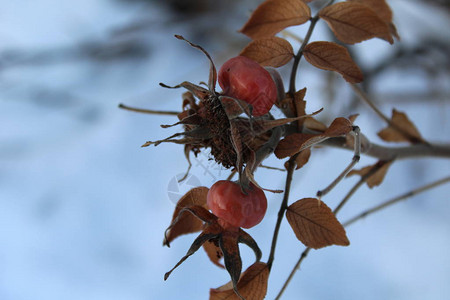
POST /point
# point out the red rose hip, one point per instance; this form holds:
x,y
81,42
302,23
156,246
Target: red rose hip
x,y
246,80
227,201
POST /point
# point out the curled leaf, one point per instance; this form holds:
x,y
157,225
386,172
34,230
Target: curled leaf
x,y
187,223
353,22
315,125
272,16
252,285
297,142
338,127
315,225
377,177
272,51
301,159
333,57
401,130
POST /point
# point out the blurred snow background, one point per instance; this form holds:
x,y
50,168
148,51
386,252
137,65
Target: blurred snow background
x,y
83,208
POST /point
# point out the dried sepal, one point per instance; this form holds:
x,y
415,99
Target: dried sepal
x,y
212,68
214,253
198,91
272,16
252,285
209,233
401,129
297,142
354,22
378,170
272,51
186,223
232,257
315,225
333,57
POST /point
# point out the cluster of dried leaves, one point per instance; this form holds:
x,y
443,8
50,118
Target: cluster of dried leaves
x,y
312,221
351,22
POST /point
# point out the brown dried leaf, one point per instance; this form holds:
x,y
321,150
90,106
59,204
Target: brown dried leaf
x,y
214,253
272,16
402,130
297,142
333,57
272,51
338,127
293,107
315,125
187,223
352,118
380,7
354,22
301,160
300,106
376,178
315,225
252,285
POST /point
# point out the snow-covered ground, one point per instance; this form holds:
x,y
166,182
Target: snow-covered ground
x,y
83,208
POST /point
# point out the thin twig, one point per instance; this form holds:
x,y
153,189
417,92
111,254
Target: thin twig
x,y
291,162
148,111
397,199
283,207
299,55
354,161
